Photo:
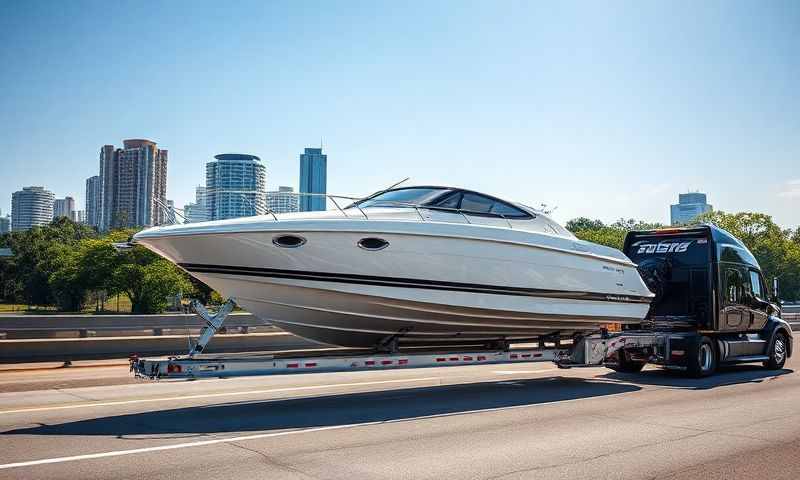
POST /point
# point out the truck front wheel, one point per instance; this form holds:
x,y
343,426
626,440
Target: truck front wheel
x,y
702,358
777,353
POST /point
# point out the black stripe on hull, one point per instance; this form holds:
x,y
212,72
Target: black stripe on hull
x,y
410,283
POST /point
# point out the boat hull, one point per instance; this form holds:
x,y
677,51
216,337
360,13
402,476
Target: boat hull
x,y
366,316
449,285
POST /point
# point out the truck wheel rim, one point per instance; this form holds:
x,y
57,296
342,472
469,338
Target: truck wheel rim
x,y
705,357
780,350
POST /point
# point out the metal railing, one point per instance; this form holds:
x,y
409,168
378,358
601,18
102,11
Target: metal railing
x,y
83,324
355,204
391,203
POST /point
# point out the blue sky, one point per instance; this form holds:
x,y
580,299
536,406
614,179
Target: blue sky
x,y
601,109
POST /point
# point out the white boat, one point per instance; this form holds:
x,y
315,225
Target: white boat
x,y
414,265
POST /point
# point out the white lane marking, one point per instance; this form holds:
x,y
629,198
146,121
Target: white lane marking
x,y
118,453
214,395
258,436
517,372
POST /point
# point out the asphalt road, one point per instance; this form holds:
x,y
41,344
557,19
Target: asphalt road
x,y
509,422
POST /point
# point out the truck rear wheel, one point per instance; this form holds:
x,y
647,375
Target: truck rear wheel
x,y
702,358
624,364
777,352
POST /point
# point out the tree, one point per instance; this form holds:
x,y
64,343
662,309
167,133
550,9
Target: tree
x,y
62,262
148,280
68,291
631,224
36,257
99,260
583,223
613,235
201,291
775,249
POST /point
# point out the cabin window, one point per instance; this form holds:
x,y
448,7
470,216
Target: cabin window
x,y
402,197
453,201
506,210
755,284
474,203
733,286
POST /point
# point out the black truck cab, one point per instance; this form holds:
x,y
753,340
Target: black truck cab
x,y
711,301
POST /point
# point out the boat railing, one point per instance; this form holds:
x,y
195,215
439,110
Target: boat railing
x,y
391,203
172,212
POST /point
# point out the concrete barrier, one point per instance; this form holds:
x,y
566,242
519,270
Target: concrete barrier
x,y
69,349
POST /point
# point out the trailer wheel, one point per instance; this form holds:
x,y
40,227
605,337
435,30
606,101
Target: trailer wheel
x,y
624,364
777,352
702,358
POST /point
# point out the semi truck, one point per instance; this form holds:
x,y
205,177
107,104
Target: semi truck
x,y
711,308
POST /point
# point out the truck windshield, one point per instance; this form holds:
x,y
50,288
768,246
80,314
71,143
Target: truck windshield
x,y
676,269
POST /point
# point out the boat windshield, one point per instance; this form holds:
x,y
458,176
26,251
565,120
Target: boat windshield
x,y
403,197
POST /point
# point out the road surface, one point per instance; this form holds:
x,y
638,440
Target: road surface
x,y
481,422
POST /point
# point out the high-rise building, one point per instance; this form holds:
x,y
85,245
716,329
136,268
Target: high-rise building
x,y
108,176
313,179
64,207
5,224
30,207
94,195
283,200
689,206
197,211
134,184
235,186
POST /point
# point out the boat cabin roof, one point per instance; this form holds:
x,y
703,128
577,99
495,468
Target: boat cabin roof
x,y
447,198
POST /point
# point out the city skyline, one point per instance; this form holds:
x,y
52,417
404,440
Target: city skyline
x,y
564,106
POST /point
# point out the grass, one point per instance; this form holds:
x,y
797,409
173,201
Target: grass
x,y
12,307
111,304
117,304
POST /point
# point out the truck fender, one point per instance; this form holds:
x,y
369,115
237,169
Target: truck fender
x,y
775,325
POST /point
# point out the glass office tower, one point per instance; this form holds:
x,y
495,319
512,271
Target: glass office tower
x,y
313,179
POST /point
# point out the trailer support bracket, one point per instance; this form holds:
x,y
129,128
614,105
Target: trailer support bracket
x,y
213,323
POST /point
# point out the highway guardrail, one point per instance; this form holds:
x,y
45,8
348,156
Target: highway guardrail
x,y
84,324
71,349
793,319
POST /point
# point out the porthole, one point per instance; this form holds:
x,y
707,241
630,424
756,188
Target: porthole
x,y
372,243
288,241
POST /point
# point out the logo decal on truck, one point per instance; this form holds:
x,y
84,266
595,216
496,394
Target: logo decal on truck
x,y
664,247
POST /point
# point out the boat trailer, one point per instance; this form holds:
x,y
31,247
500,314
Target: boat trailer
x,y
587,351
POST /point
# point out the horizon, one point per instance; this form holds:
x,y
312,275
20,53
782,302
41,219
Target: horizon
x,y
598,111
